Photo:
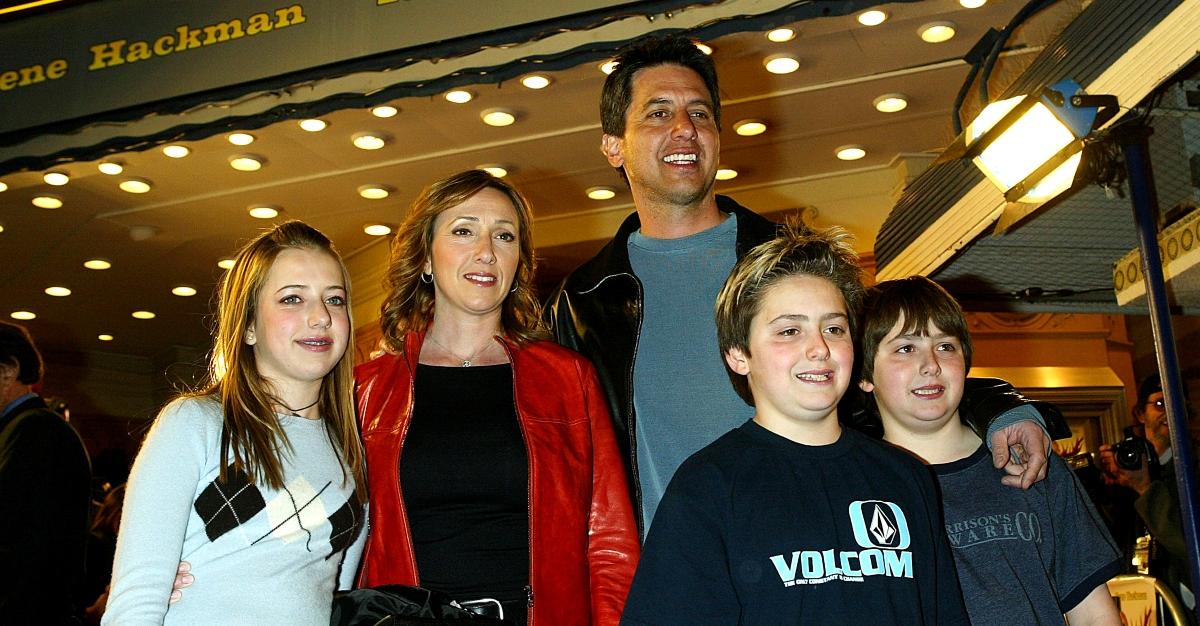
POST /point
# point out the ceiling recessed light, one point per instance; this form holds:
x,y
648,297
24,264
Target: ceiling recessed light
x,y
176,151
1,228
368,141
891,102
459,96
703,47
47,201
134,185
143,315
58,178
852,152
608,66
112,168
749,128
874,17
97,264
780,35
937,32
3,186
377,230
263,212
240,139
142,232
726,173
313,125
972,4
601,193
58,291
499,171
536,81
246,162
374,192
225,264
184,291
498,117
23,315
781,64
104,337
385,110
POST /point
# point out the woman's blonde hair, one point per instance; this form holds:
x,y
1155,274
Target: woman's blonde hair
x,y
409,302
251,433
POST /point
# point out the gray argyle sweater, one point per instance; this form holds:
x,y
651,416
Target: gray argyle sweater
x,y
259,556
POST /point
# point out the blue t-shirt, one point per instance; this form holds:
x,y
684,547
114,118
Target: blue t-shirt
x,y
681,394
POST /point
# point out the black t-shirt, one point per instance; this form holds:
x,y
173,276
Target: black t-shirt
x,y
465,479
758,529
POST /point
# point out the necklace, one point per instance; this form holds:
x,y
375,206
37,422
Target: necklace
x,y
296,412
467,361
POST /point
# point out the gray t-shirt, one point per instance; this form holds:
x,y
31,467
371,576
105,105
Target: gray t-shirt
x,y
1023,557
260,556
681,394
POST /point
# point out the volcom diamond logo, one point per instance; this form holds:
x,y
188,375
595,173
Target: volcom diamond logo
x,y
879,524
881,527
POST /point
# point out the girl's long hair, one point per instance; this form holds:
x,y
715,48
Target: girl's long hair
x,y
251,433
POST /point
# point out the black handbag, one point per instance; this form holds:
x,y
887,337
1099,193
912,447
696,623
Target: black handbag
x,y
399,605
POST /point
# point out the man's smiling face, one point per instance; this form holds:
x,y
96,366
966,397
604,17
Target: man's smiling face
x,y
671,144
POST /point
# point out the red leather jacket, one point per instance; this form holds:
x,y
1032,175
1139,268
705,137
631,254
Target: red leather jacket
x,y
583,544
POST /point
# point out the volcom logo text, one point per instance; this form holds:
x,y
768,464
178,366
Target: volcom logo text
x,y
815,567
880,528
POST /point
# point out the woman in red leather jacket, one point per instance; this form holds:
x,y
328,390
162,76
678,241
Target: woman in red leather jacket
x,y
493,470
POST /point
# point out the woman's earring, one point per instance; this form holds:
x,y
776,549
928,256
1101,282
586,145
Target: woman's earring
x,y
426,278
514,289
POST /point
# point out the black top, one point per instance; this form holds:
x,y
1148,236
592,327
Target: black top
x,y
757,529
465,478
45,491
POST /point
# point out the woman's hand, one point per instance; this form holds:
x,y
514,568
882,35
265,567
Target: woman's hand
x,y
183,579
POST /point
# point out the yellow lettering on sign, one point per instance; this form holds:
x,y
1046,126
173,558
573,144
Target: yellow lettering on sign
x,y
138,51
222,32
163,45
259,23
186,37
57,69
32,74
107,54
288,16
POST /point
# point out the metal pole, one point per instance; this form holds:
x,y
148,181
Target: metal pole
x,y
1135,145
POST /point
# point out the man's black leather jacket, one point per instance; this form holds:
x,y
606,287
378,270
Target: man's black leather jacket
x,y
597,311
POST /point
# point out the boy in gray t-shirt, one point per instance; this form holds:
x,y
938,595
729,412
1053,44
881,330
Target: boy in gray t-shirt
x,y
1023,556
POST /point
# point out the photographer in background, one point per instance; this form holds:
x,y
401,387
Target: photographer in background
x,y
1153,479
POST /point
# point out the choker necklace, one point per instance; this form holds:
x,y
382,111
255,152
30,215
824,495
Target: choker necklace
x,y
467,361
296,412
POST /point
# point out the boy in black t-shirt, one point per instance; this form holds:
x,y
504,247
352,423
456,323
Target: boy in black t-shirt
x,y
1023,556
791,519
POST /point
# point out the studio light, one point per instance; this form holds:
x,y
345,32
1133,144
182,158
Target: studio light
x,y
1030,145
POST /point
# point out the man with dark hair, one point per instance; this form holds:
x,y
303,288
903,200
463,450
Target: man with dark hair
x,y
1157,502
45,484
642,308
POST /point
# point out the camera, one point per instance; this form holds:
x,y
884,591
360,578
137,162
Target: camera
x,y
1129,452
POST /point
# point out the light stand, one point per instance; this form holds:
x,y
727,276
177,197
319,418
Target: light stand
x,y
1133,139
